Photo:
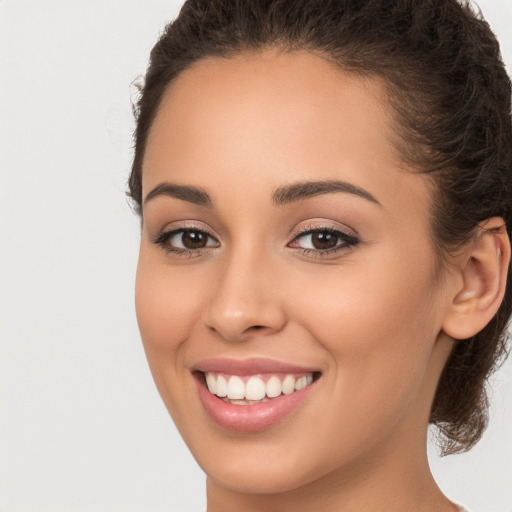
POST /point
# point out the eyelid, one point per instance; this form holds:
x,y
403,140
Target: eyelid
x,y
173,232
323,226
163,236
348,240
185,225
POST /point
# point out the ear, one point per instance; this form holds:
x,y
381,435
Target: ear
x,y
481,276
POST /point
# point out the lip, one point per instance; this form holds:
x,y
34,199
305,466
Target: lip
x,y
252,366
249,418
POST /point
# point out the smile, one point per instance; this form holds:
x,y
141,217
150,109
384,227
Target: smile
x,y
255,389
254,394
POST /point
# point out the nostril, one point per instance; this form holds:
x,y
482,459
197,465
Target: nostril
x,y
253,328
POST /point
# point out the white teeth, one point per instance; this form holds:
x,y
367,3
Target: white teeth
x,y
300,383
245,402
211,382
236,388
274,387
222,386
288,385
254,390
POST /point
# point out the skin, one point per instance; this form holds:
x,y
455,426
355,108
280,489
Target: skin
x,y
370,317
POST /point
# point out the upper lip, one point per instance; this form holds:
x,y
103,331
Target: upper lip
x,y
251,366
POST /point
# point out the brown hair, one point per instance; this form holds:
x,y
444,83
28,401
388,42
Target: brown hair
x,y
451,97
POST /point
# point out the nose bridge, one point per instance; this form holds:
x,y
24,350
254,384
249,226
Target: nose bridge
x,y
244,299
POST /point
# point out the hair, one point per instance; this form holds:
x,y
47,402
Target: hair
x,y
451,99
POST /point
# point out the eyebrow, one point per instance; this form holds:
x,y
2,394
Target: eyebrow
x,y
184,192
306,189
281,196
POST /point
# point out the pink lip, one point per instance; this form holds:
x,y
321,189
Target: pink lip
x,y
252,366
249,418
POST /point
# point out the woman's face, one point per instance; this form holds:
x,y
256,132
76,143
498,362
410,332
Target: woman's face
x,y
287,251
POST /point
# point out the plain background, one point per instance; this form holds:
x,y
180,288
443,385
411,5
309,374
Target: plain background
x,y
81,426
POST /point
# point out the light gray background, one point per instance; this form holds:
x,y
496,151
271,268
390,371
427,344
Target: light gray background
x,y
81,426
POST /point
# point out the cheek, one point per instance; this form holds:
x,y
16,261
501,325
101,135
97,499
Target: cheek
x,y
167,304
379,325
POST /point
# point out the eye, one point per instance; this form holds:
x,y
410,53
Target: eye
x,y
320,241
191,239
185,240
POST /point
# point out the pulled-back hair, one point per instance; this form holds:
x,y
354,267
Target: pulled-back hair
x,y
450,95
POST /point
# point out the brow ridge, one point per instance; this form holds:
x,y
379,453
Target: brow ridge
x,y
307,189
283,195
184,192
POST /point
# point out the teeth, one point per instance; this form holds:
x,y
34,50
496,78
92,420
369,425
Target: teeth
x,y
254,390
236,388
274,387
288,385
300,383
245,402
211,382
222,387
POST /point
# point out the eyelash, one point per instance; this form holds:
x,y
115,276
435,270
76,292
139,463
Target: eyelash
x,y
348,241
345,241
163,239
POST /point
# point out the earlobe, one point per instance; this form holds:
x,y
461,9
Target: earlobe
x,y
483,272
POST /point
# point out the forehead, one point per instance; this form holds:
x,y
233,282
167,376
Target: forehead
x,y
273,117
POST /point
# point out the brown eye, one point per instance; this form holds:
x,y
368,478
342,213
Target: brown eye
x,y
186,240
318,242
324,240
194,239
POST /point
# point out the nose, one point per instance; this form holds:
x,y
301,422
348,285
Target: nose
x,y
245,299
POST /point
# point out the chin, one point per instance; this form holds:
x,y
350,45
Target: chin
x,y
246,478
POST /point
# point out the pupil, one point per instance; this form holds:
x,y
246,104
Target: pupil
x,y
324,240
193,239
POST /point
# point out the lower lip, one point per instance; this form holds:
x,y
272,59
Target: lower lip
x,y
250,418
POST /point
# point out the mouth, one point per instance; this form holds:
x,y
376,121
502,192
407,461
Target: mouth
x,y
247,396
255,389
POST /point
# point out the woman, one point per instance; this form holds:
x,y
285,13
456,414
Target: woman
x,y
324,189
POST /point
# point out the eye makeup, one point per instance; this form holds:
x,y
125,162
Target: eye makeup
x,y
319,241
310,240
